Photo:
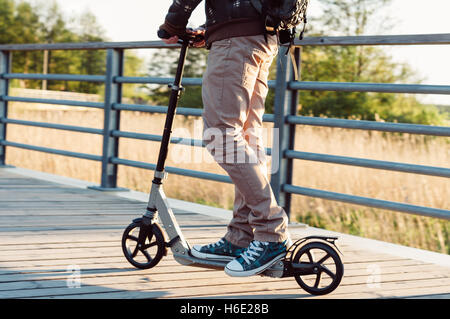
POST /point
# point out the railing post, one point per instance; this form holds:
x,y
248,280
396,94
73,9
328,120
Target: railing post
x,y
113,94
4,88
286,103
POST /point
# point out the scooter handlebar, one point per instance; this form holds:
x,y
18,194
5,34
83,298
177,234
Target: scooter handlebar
x,y
189,38
163,34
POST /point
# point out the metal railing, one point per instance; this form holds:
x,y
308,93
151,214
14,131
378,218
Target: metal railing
x,y
285,117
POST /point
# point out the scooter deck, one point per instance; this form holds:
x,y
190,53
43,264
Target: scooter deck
x,y
190,260
275,270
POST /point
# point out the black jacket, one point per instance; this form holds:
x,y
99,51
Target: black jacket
x,y
224,18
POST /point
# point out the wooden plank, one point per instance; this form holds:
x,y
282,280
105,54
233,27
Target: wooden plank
x,y
113,242
357,292
344,284
11,219
188,289
44,213
29,244
414,277
105,227
9,278
45,237
116,251
119,262
71,257
430,296
395,293
155,281
85,222
354,291
59,200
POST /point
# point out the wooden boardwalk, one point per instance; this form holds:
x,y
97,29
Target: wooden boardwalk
x,y
50,233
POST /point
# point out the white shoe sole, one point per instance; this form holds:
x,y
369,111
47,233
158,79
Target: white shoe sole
x,y
201,255
252,272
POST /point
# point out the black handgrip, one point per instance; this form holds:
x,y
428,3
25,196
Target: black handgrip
x,y
163,34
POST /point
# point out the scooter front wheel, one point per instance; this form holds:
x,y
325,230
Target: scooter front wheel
x,y
143,245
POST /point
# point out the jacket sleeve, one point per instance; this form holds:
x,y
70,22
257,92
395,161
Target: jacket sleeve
x,y
177,18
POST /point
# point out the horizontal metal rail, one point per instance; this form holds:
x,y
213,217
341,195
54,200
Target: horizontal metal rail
x,y
369,125
163,109
313,86
167,81
370,202
153,80
370,87
88,46
118,106
53,126
55,77
115,78
156,109
408,39
52,151
173,140
158,138
97,105
174,170
368,163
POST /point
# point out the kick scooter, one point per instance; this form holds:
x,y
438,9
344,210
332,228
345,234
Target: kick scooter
x,y
313,261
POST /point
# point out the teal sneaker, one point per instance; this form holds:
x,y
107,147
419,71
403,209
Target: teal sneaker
x,y
221,250
256,258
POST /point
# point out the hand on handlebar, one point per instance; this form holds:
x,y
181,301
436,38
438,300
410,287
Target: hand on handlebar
x,y
171,40
196,37
167,37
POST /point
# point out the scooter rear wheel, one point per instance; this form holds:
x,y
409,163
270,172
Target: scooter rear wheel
x,y
147,254
328,268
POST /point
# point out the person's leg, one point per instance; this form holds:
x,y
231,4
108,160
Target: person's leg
x,y
239,226
213,90
234,86
228,87
265,217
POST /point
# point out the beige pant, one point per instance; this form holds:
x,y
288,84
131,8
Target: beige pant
x,y
234,92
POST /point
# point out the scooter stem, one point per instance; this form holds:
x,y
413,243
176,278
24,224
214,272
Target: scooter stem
x,y
173,103
158,201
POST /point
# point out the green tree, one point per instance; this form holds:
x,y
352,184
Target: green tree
x,y
134,66
90,61
357,64
44,22
55,29
353,17
7,8
25,27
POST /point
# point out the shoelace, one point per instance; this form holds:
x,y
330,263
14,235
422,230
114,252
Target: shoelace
x,y
253,251
220,242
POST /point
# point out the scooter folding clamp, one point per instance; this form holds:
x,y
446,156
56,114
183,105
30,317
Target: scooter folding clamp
x,y
175,87
161,175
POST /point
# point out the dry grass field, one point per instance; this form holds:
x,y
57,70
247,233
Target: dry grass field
x,y
414,231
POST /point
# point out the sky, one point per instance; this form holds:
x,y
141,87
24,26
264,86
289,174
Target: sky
x,y
138,20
